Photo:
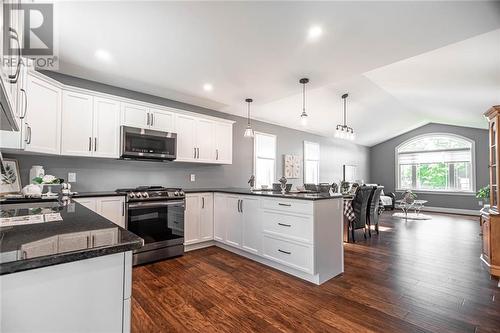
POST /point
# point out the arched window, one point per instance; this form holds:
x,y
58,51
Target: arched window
x,y
436,162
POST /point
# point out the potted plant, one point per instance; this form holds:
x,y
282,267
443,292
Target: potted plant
x,y
484,194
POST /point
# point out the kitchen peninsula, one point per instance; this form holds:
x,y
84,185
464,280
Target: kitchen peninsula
x,y
68,275
297,233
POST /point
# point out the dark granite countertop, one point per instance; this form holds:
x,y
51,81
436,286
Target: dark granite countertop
x,y
82,234
246,191
5,201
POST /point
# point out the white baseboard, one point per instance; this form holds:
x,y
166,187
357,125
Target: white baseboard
x,y
451,210
197,246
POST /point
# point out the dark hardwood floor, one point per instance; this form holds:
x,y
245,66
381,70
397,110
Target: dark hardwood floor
x,y
416,276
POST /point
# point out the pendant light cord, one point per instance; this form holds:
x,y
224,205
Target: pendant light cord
x,y
303,97
345,120
248,114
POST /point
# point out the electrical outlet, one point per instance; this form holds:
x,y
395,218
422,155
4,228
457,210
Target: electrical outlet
x,y
193,177
71,177
481,203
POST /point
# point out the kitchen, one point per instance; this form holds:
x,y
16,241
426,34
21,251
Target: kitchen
x,y
81,131
173,166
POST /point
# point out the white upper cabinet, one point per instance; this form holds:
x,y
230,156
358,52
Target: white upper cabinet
x,y
106,128
185,127
90,126
77,138
205,140
43,117
161,120
224,143
135,115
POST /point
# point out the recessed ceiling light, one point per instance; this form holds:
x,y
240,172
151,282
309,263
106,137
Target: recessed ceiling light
x,y
103,55
208,87
314,32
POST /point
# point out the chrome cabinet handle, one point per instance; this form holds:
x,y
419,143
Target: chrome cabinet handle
x,y
202,202
241,205
29,135
95,144
93,240
216,154
197,152
90,143
285,252
14,77
152,119
194,152
284,204
88,241
284,225
147,121
123,208
25,103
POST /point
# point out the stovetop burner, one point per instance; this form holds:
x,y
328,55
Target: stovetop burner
x,y
152,193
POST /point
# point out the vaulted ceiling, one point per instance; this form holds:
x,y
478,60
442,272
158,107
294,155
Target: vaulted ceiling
x,y
403,63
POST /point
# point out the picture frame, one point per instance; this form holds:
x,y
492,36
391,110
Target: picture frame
x,y
291,166
10,179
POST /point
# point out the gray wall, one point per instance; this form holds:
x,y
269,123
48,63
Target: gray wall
x,y
382,164
107,174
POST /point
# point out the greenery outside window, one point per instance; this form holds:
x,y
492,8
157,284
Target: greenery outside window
x,y
436,162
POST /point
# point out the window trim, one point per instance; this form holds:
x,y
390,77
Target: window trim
x,y
304,159
454,192
255,153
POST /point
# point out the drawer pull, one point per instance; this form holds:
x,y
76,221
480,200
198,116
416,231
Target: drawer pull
x,y
285,252
284,204
284,225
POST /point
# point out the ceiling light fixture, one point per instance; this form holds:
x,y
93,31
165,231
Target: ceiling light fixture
x,y
303,115
103,55
314,32
208,87
344,131
248,130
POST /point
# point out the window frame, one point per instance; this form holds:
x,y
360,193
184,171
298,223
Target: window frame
x,y
255,154
472,191
305,160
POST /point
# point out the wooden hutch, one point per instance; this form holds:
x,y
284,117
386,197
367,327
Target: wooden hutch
x,y
491,219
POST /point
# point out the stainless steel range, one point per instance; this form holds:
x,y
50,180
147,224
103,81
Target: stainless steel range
x,y
156,214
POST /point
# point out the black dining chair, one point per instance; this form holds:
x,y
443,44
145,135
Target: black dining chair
x,y
374,209
360,208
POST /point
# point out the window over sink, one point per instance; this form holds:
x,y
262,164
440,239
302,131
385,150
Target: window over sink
x,y
436,162
311,162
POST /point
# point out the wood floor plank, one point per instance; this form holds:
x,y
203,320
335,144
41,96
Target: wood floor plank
x,y
415,276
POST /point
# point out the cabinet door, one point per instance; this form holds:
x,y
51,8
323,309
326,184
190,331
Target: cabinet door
x,y
205,140
185,127
106,128
42,247
135,115
252,235
112,208
104,237
220,217
224,143
486,238
162,120
192,219
234,221
43,117
207,217
77,138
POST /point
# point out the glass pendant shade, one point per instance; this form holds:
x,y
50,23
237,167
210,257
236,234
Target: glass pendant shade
x,y
303,119
343,131
248,132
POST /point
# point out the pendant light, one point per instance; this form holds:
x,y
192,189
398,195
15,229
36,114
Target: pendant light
x,y
343,131
248,130
303,115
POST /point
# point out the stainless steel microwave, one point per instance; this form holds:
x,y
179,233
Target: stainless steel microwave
x,y
146,144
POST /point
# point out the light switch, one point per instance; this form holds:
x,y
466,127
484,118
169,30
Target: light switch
x,y
71,177
193,177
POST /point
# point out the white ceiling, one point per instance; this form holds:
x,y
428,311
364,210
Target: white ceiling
x,y
403,63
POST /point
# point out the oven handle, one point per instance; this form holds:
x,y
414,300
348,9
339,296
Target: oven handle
x,y
139,205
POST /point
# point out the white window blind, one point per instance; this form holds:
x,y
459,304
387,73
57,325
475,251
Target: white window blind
x,y
311,162
265,159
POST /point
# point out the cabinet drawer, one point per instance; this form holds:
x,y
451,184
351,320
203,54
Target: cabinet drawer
x,y
297,227
291,206
293,254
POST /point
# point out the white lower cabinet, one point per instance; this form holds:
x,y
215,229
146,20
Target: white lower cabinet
x,y
198,218
112,208
237,221
290,253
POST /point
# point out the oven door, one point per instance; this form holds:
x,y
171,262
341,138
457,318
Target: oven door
x,y
159,223
139,143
